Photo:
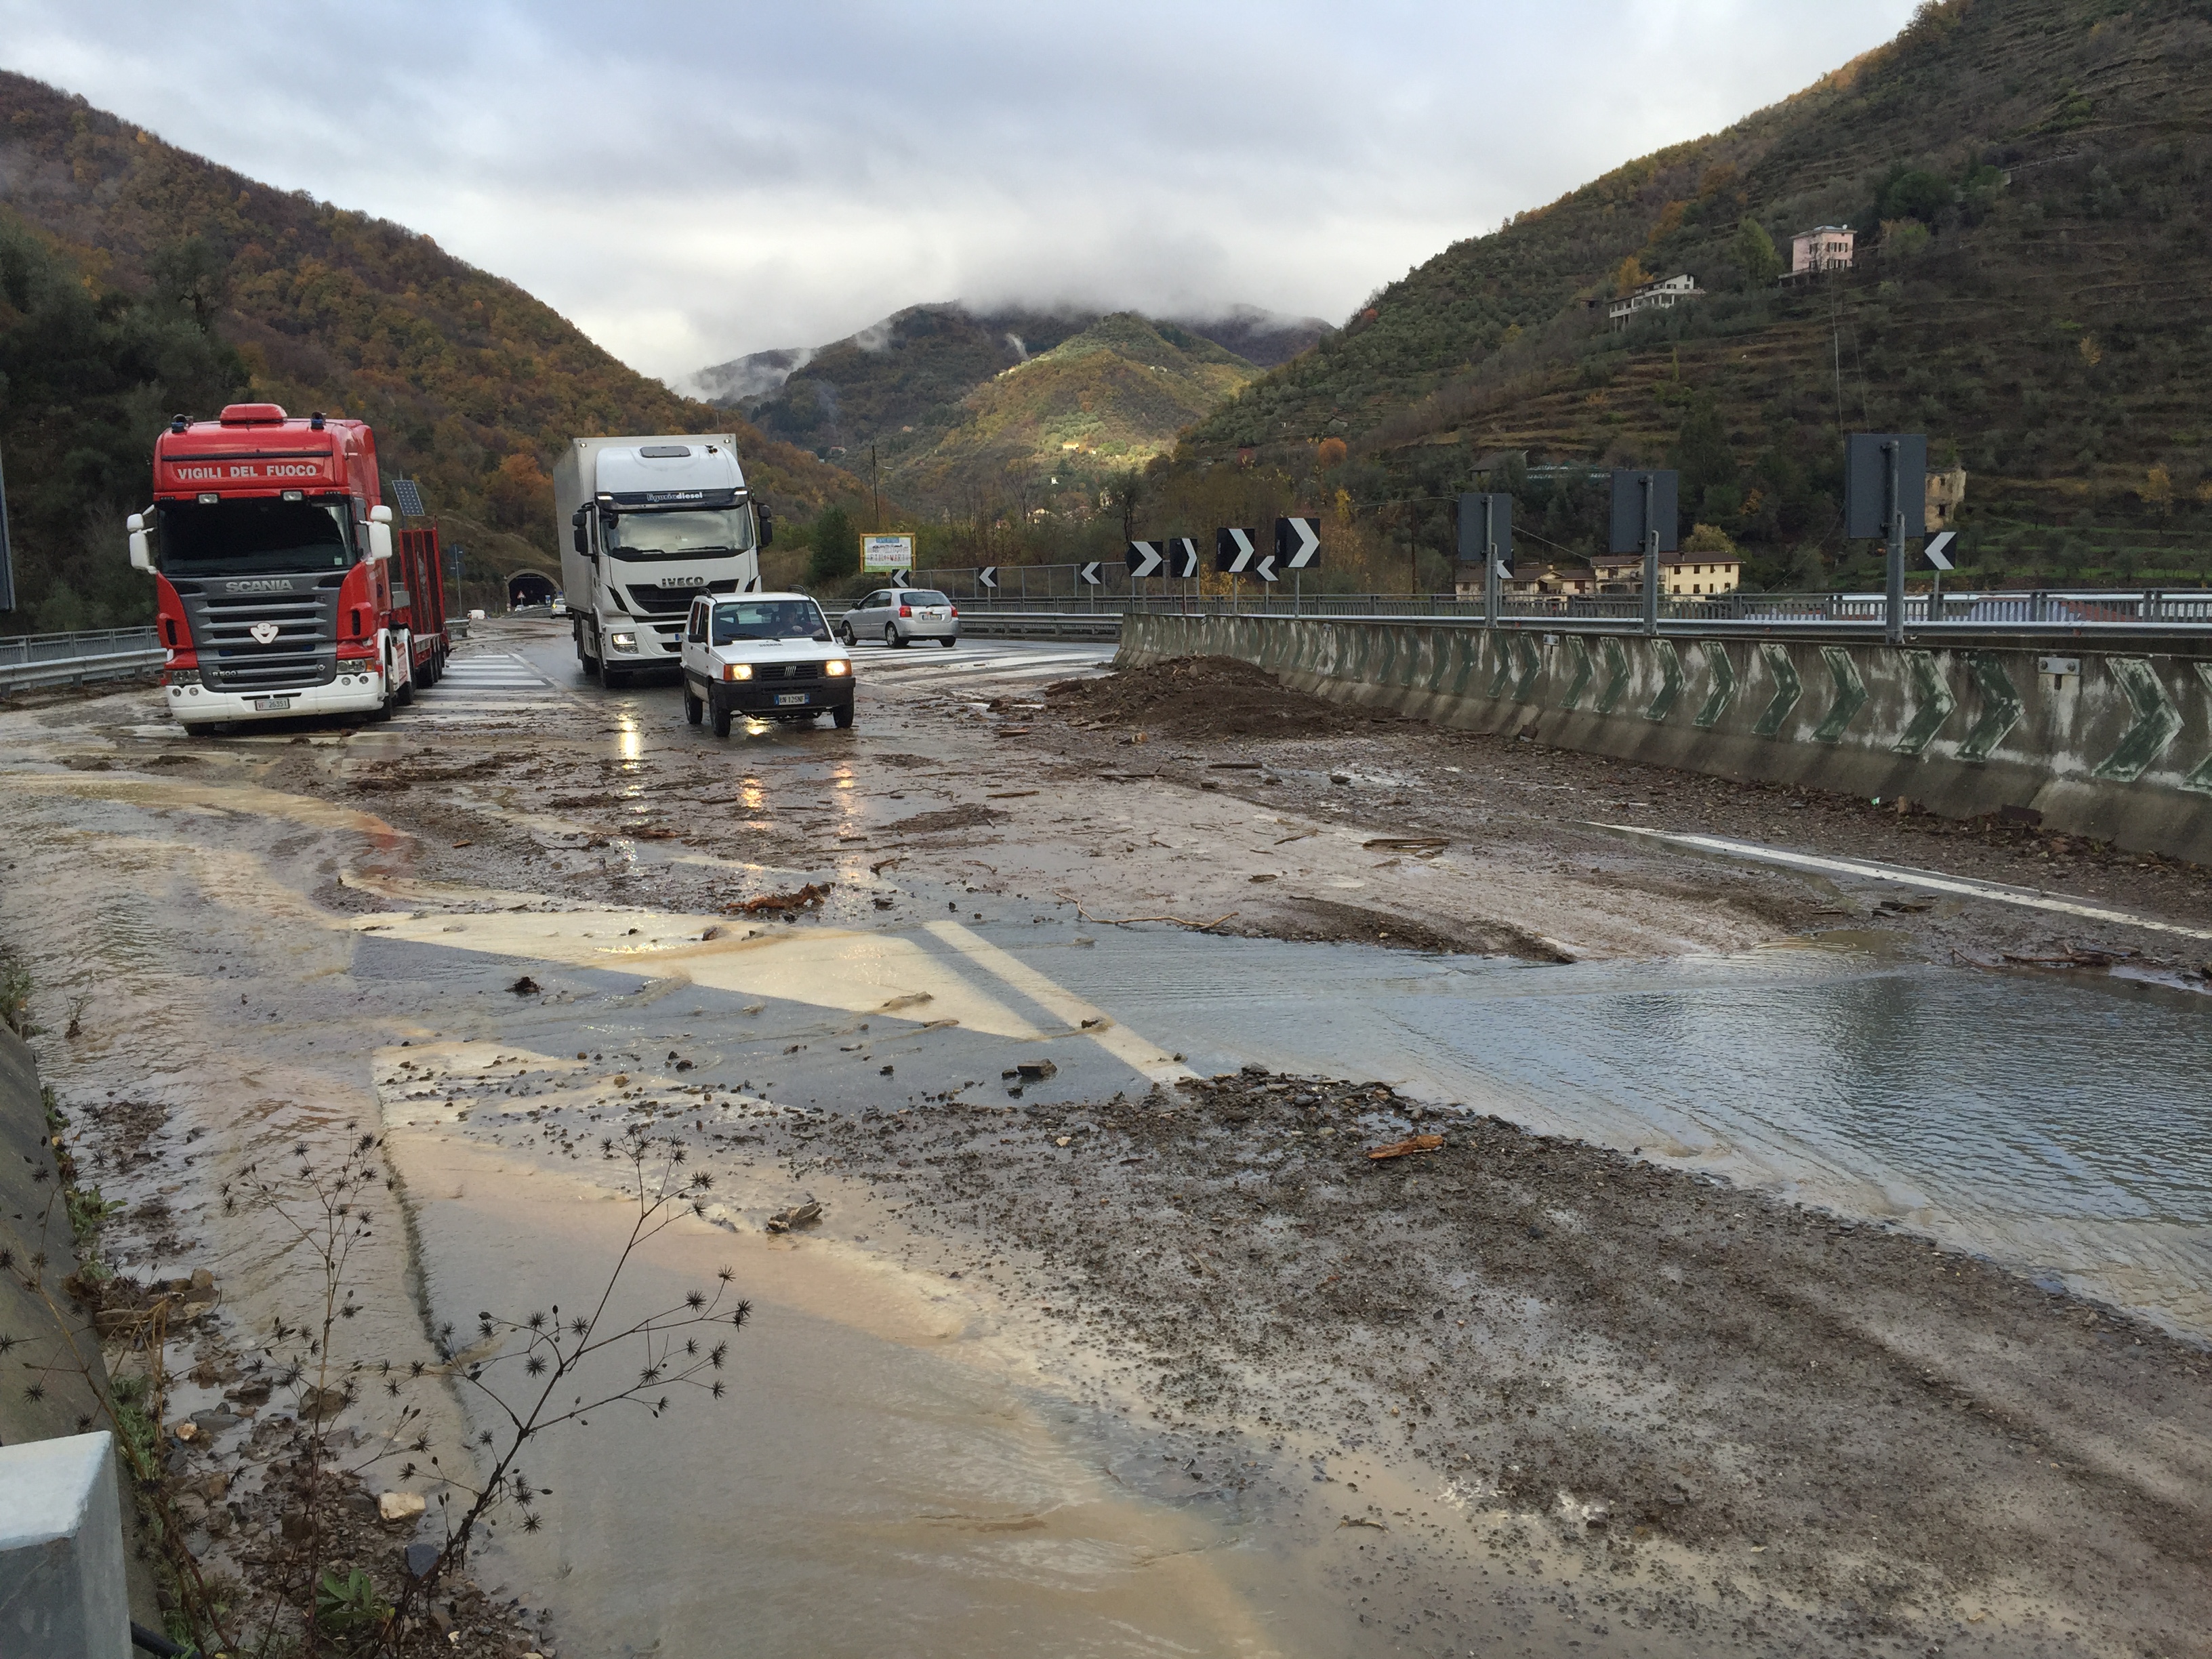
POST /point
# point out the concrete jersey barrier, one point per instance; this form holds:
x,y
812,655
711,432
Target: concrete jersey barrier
x,y
2116,746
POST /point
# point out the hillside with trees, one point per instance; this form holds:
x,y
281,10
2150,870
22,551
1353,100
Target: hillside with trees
x,y
2031,184
137,280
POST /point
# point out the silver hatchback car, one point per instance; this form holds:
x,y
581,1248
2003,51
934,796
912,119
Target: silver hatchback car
x,y
900,615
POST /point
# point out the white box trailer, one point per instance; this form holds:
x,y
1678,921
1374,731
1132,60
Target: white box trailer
x,y
648,522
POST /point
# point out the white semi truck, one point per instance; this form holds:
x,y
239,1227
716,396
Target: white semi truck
x,y
651,523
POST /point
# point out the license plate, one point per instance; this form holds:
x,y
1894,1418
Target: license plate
x,y
790,699
273,702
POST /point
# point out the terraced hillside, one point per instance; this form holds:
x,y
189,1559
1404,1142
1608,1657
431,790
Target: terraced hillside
x,y
2031,182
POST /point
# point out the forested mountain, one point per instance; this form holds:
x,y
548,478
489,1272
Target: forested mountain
x,y
137,280
1053,431
2031,181
912,367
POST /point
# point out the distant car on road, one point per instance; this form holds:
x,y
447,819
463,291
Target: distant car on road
x,y
476,616
560,606
900,615
768,656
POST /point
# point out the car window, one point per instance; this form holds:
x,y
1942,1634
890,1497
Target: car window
x,y
766,619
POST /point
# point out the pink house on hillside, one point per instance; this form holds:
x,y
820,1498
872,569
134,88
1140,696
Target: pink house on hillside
x,y
1827,248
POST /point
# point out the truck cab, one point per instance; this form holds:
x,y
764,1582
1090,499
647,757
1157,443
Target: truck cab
x,y
651,523
766,656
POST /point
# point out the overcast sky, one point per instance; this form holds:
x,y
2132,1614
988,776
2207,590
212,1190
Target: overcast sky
x,y
688,181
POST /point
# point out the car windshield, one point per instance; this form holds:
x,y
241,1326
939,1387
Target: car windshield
x,y
257,533
697,533
767,619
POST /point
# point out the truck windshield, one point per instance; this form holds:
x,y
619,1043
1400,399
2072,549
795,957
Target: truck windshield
x,y
691,534
255,533
767,619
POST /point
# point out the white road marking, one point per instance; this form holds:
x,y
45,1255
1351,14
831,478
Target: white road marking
x,y
1905,876
483,687
1144,1058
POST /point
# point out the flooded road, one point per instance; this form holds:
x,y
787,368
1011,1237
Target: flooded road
x,y
906,1463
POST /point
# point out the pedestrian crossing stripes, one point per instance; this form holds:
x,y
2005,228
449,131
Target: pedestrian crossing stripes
x,y
482,687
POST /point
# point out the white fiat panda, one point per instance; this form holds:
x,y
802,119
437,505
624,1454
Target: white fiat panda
x,y
766,656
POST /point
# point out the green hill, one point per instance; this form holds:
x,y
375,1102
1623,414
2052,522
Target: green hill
x,y
136,279
2032,181
1051,430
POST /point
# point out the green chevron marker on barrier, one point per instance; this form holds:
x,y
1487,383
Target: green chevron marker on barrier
x,y
1501,664
1580,684
2200,779
1670,680
1851,695
1935,703
1724,691
2157,723
1787,687
1532,664
1406,668
2001,708
1616,676
1468,649
1440,658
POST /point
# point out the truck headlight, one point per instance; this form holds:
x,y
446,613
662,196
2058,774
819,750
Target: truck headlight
x,y
622,641
736,671
840,666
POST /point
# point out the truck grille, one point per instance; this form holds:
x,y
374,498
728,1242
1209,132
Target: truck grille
x,y
671,601
302,652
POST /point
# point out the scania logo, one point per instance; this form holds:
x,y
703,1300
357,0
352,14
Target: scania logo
x,y
264,633
266,584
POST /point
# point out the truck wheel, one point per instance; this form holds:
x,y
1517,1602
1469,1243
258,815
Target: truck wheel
x,y
405,694
693,710
843,717
199,728
722,713
610,678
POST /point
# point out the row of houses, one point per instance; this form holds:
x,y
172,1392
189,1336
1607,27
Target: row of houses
x,y
1607,574
1812,253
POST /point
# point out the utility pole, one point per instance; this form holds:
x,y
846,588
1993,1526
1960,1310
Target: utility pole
x,y
875,491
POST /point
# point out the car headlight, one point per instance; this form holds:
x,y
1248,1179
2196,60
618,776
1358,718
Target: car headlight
x,y
622,641
840,666
736,671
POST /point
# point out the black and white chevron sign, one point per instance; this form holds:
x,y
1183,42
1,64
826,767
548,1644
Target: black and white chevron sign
x,y
1264,567
1232,551
1182,557
1145,559
1090,573
988,577
1297,543
1937,549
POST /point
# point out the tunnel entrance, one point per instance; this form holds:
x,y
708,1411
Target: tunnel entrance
x,y
529,587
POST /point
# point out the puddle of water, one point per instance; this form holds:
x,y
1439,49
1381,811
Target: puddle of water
x,y
2059,1125
861,1493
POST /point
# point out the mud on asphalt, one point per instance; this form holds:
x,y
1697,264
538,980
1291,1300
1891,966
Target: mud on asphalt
x,y
1718,1415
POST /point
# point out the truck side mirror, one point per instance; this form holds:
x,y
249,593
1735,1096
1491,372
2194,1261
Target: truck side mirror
x,y
380,534
577,534
142,555
767,524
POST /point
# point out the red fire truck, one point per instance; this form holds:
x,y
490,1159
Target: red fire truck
x,y
282,589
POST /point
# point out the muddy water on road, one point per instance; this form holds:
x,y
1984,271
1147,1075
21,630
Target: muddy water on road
x,y
897,1472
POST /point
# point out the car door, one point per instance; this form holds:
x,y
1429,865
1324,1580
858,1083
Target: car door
x,y
695,637
867,617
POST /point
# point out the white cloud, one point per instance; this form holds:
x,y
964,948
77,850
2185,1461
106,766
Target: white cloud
x,y
689,181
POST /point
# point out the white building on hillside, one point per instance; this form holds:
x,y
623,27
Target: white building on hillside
x,y
1661,295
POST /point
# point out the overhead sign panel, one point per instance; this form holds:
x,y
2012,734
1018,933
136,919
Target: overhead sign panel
x,y
1874,462
1145,559
1297,543
887,552
1232,551
1662,488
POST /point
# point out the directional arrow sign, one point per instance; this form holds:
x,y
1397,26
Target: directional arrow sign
x,y
1088,572
1182,557
1938,549
1297,543
1145,559
1264,567
1232,551
987,577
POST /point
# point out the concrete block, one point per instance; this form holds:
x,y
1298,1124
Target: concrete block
x,y
62,1588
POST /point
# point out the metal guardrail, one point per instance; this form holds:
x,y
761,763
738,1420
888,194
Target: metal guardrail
x,y
106,654
2184,614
